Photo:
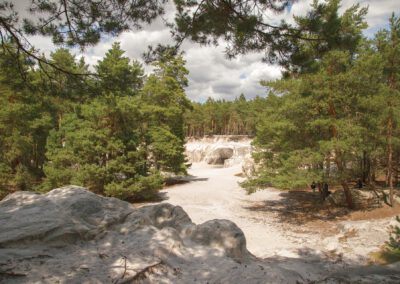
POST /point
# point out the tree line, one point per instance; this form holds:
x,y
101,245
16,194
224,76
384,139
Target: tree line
x,y
222,117
115,133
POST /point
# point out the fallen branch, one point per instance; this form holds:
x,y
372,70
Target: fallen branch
x,y
140,275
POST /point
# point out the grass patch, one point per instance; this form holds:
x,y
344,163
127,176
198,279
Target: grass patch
x,y
384,257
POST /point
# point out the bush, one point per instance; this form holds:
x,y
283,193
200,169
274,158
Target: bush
x,y
142,189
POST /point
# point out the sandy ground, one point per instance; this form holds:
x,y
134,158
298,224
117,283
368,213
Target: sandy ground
x,y
215,193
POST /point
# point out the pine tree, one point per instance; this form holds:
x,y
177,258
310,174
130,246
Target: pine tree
x,y
25,120
388,44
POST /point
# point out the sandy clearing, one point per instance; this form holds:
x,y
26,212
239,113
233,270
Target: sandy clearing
x,y
216,194
221,197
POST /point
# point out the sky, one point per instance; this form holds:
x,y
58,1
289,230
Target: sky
x,y
211,73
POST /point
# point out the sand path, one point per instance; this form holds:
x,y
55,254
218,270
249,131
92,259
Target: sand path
x,y
216,194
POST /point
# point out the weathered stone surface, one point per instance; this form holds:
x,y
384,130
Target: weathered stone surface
x,y
226,150
248,167
70,235
65,214
219,155
224,235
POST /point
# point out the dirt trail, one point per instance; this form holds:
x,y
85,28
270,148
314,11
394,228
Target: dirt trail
x,y
215,193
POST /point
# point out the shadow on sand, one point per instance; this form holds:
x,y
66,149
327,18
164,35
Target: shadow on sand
x,y
299,207
183,179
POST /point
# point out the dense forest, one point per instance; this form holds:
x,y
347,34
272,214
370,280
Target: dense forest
x,y
115,133
221,117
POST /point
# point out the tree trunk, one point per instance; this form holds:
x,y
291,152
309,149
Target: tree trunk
x,y
390,159
365,167
343,182
339,161
396,170
347,193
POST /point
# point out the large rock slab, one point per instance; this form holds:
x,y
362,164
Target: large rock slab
x,y
71,235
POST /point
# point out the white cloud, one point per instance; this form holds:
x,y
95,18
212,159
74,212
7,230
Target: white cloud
x,y
211,73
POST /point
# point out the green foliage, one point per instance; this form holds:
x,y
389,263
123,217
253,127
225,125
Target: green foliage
x,y
117,74
329,30
245,25
118,143
337,122
220,117
114,134
83,23
145,187
25,121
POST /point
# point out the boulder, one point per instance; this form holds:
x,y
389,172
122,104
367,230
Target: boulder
x,y
223,235
219,155
64,215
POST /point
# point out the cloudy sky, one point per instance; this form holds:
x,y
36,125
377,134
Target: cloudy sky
x,y
211,73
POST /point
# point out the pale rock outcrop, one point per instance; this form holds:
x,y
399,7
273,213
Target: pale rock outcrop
x,y
71,235
219,155
248,167
226,150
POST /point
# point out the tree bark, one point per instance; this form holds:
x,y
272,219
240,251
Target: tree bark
x,y
390,159
339,161
346,189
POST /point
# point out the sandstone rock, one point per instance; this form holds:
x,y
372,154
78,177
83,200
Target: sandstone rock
x,y
211,149
224,235
248,167
65,214
71,235
219,155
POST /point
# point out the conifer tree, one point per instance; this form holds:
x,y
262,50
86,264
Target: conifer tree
x,y
388,45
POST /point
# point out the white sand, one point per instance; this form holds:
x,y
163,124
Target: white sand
x,y
221,197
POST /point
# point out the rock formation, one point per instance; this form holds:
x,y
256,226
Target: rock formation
x,y
71,235
226,150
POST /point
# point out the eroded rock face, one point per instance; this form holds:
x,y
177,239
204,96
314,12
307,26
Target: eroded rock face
x,y
226,150
71,235
219,155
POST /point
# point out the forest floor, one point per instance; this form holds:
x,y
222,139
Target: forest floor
x,y
278,223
